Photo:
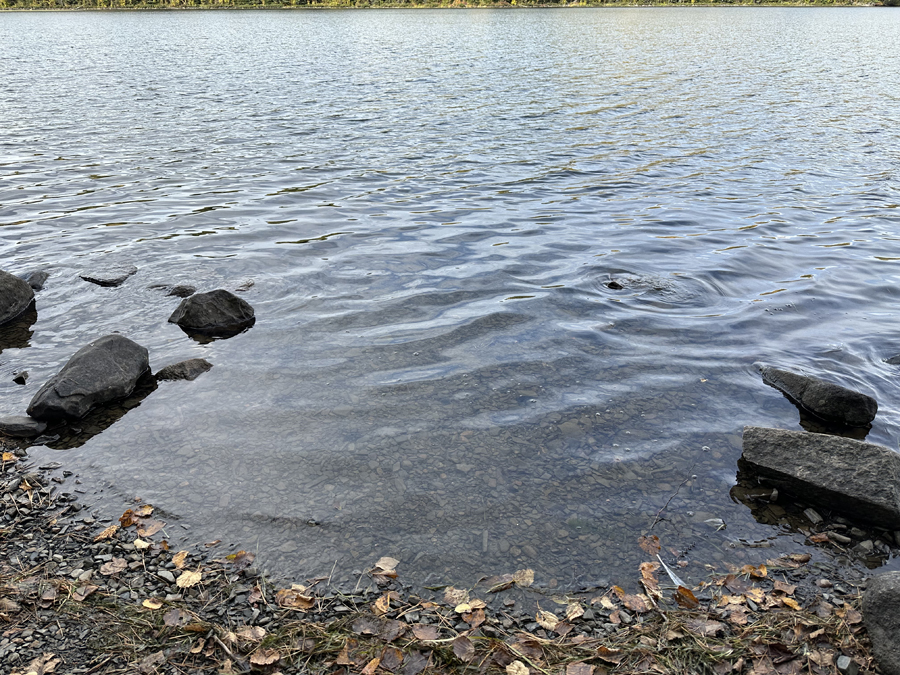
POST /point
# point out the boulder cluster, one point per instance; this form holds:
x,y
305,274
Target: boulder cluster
x,y
851,477
110,368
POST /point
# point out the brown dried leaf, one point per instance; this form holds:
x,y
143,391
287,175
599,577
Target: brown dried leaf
x,y
241,560
738,616
176,617
463,648
615,618
579,668
685,598
150,527
523,578
415,663
790,602
610,655
650,545
107,533
475,618
343,659
574,610
756,594
82,592
152,603
197,648
425,632
455,596
755,572
179,558
264,657
295,598
649,579
251,633
188,579
43,665
114,566
547,620
391,658
517,668
382,605
143,511
127,519
371,667
782,587
705,627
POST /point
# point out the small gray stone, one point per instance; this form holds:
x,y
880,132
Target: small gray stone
x,y
881,614
846,665
167,575
110,276
839,538
35,279
20,426
218,313
813,516
894,360
182,291
184,370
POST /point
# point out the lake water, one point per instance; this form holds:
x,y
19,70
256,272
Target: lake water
x,y
426,209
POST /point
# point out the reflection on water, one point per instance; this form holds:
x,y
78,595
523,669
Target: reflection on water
x,y
16,334
511,270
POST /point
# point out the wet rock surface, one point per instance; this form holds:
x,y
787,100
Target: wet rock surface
x,y
184,370
178,290
16,296
112,276
856,478
20,426
36,279
105,370
826,400
217,313
881,613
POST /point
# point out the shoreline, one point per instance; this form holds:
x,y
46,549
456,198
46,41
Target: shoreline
x,y
115,598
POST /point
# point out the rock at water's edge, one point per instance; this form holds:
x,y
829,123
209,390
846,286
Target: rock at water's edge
x,y
861,480
19,426
179,290
217,313
35,279
881,615
184,370
110,276
15,296
826,400
894,360
105,370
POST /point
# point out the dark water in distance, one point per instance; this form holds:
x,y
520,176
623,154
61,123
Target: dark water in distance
x,y
429,206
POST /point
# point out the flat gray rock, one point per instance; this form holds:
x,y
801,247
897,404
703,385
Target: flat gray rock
x,y
110,276
218,313
894,360
184,370
860,480
35,279
19,426
826,400
15,296
105,370
881,615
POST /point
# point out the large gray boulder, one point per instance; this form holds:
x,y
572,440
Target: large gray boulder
x,y
218,313
15,296
105,370
861,480
19,426
826,400
881,615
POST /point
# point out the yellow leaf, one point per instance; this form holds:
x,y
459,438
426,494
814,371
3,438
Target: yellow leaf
x,y
141,545
477,604
107,533
382,605
463,608
606,603
9,457
574,611
790,602
523,578
547,620
178,559
143,511
295,598
152,603
756,594
188,579
371,666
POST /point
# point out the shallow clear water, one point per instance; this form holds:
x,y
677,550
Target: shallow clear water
x,y
429,206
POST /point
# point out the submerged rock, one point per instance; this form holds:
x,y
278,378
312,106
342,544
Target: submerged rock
x,y
894,360
20,376
179,290
19,426
105,370
15,296
110,276
218,313
184,370
881,615
35,279
826,400
861,480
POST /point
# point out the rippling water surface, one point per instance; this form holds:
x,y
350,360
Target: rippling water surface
x,y
425,209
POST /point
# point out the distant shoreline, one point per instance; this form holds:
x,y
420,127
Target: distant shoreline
x,y
181,5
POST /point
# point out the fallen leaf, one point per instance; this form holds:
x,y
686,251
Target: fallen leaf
x,y
9,605
255,596
150,527
9,457
264,657
517,668
343,659
731,600
685,598
188,579
82,592
127,519
241,560
523,578
609,655
615,618
705,627
463,648
547,620
755,572
43,665
197,648
455,596
649,579
782,587
178,559
579,668
606,603
391,658
295,598
143,511
425,632
371,667
387,564
821,538
415,663
114,566
756,594
210,544
148,664
141,545
475,618
738,616
650,545
251,633
574,610
175,617
382,605
152,603
107,533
